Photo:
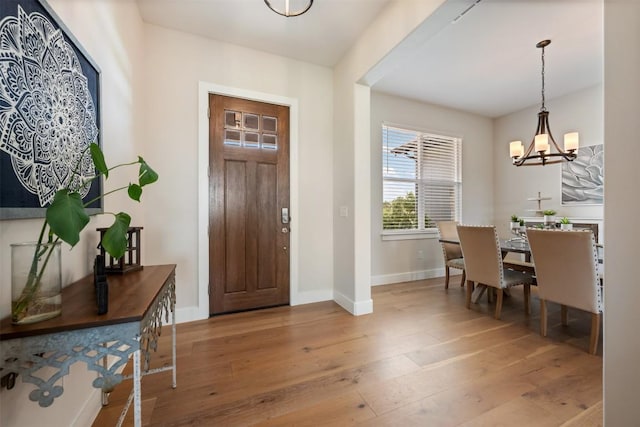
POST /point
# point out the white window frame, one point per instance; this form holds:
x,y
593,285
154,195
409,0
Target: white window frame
x,y
422,135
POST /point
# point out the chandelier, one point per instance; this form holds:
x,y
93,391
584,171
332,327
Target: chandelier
x,y
540,151
289,8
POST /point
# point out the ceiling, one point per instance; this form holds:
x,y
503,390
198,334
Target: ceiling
x,y
485,63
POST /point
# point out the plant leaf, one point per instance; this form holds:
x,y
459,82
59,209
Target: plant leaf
x,y
135,191
98,159
146,174
66,216
114,240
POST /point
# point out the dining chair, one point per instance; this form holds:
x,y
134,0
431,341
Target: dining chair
x,y
483,265
451,251
566,264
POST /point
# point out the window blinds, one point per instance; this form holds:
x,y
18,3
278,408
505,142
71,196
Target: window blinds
x,y
422,179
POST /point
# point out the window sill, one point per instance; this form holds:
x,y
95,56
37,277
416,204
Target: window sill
x,y
409,235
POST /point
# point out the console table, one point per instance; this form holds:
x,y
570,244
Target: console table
x,y
137,303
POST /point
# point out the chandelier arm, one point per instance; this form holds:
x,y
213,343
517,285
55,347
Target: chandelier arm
x,y
537,160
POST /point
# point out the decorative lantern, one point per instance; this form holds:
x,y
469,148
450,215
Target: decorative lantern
x,y
130,261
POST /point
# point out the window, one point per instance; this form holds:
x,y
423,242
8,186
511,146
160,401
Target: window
x,y
421,179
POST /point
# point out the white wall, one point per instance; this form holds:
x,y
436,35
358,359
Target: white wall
x,y
622,151
398,260
177,63
351,183
581,111
111,32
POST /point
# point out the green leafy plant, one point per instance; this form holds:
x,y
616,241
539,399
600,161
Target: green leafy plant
x,y
66,217
565,220
521,223
514,218
540,226
549,212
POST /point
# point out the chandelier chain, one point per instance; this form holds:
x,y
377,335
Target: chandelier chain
x,y
542,74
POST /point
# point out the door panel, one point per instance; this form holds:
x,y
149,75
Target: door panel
x,y
249,185
235,220
267,228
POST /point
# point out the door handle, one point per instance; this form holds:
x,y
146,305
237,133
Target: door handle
x,y
284,215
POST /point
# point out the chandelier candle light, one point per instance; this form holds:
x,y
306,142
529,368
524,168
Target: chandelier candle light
x,y
539,151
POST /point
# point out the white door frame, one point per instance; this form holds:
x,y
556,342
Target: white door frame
x,y
204,89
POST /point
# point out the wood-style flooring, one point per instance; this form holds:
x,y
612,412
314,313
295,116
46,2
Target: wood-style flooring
x,y
421,359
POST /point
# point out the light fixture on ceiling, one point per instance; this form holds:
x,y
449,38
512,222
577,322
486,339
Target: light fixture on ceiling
x,y
540,151
289,8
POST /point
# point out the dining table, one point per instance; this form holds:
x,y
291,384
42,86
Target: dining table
x,y
514,245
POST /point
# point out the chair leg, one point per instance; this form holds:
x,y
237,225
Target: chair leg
x,y
446,277
464,278
527,299
499,304
469,292
595,333
489,295
543,318
563,315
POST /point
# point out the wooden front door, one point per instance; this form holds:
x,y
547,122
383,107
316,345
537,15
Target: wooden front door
x,y
248,204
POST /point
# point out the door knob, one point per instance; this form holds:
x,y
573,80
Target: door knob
x,y
285,230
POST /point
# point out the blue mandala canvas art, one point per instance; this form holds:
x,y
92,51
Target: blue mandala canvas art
x,y
49,110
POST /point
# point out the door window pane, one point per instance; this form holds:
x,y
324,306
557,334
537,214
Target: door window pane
x,y
232,137
269,142
251,139
251,121
269,124
232,119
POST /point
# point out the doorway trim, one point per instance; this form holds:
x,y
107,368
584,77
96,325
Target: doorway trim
x,y
204,89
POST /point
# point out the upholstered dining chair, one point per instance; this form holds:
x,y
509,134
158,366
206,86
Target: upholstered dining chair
x,y
566,264
451,251
483,265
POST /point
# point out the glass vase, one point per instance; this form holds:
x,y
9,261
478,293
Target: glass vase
x,y
36,282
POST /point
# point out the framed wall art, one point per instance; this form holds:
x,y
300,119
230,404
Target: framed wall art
x,y
583,178
49,110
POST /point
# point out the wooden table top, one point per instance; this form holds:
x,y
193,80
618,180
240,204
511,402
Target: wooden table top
x,y
130,296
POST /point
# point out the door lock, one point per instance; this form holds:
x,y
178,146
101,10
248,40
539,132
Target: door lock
x,y
285,216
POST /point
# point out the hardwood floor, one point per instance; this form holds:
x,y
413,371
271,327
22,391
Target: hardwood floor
x,y
421,359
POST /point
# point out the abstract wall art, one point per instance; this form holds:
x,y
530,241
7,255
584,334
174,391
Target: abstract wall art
x,y
583,178
49,110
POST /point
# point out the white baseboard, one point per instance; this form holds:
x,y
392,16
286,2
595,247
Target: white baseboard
x,y
189,314
193,313
385,279
356,308
310,297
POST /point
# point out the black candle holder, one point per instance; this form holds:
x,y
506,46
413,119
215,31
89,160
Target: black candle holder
x,y
101,285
